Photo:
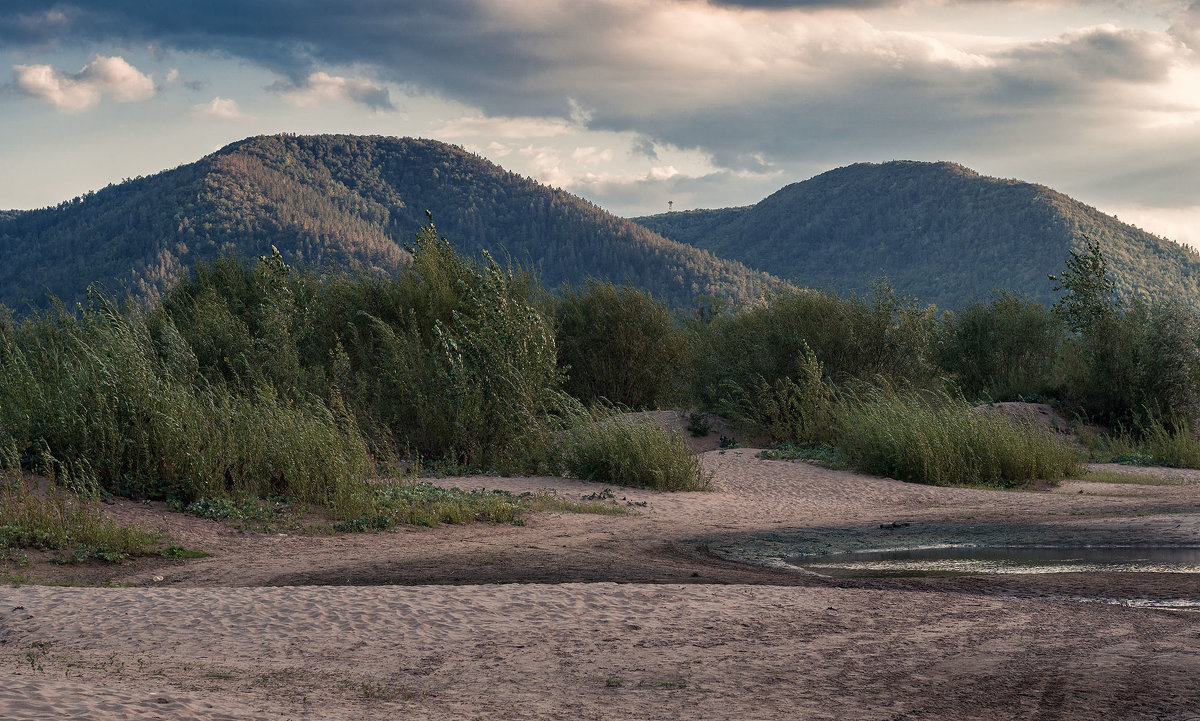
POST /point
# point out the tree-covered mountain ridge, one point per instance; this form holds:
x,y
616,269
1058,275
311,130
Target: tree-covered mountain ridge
x,y
936,230
346,201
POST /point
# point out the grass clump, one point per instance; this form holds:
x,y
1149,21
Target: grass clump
x,y
606,447
1156,444
424,504
60,520
1130,478
828,456
933,437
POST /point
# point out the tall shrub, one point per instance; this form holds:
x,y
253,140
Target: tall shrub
x,y
617,344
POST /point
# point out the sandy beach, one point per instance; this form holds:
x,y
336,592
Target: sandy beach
x,y
677,610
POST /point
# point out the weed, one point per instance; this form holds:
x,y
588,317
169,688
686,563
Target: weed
x,y
180,553
698,425
827,456
37,651
72,524
668,684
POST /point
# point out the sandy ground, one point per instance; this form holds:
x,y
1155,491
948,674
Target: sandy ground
x,y
647,615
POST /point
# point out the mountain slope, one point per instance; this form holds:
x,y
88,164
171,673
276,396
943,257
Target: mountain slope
x,y
937,231
348,201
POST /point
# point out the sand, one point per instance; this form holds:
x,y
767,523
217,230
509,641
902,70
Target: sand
x,y
649,615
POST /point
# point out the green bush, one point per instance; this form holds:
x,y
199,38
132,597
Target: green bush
x,y
1008,349
933,437
797,411
854,339
1137,365
617,345
606,447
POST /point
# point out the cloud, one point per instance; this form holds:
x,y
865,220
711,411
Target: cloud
x,y
320,87
84,89
219,107
760,86
590,155
501,127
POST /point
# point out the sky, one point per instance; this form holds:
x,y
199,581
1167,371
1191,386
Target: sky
x,y
632,104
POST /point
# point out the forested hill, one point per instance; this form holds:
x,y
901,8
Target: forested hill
x,y
351,201
937,231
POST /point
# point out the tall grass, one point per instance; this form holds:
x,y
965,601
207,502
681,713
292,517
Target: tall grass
x,y
97,387
60,520
1156,444
255,379
934,437
607,447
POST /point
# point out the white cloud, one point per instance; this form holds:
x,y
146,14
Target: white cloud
x,y
84,89
172,75
591,155
1179,224
320,88
500,127
218,107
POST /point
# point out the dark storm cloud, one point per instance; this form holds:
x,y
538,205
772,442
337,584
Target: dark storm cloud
x,y
439,45
1100,54
830,85
785,4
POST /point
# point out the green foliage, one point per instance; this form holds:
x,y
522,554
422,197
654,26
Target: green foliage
x,y
99,388
606,447
933,437
1157,444
64,521
1089,289
937,231
827,456
1136,365
617,345
761,365
258,381
1008,349
698,425
797,411
179,553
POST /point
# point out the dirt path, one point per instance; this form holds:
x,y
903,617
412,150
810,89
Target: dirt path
x,y
640,616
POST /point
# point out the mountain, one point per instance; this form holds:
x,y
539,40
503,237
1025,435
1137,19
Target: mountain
x,y
341,200
937,231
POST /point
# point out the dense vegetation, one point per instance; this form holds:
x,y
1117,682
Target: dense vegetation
x,y
258,380
936,231
342,201
262,381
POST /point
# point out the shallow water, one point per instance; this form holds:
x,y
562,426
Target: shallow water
x,y
966,559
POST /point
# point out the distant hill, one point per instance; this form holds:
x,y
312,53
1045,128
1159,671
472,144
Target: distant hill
x,y
349,201
937,231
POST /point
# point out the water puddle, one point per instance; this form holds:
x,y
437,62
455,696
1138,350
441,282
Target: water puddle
x,y
970,559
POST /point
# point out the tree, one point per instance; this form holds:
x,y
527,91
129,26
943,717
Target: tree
x,y
1089,291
